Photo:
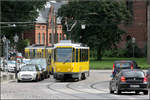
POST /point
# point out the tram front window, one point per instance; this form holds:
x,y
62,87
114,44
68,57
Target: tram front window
x,y
63,54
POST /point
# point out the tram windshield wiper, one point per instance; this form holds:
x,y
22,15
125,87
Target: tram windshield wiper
x,y
67,59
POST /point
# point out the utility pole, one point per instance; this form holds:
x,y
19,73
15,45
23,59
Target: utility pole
x,y
148,33
0,46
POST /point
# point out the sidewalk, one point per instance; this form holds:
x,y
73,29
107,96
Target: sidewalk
x,y
6,76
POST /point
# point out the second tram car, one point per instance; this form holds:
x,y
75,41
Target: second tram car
x,y
40,51
71,60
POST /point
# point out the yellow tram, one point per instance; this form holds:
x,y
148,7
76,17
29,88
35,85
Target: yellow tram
x,y
41,51
71,60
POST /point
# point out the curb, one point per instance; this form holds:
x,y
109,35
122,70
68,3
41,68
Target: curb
x,y
6,76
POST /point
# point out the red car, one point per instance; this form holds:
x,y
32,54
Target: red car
x,y
123,64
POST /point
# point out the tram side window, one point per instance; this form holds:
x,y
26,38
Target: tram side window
x,y
55,55
73,55
30,53
42,53
80,55
83,55
26,54
35,53
77,55
87,55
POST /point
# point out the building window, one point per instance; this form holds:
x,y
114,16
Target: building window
x,y
56,37
129,4
39,38
43,38
38,26
49,37
59,36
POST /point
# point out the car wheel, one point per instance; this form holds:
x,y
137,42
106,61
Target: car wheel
x,y
137,92
145,92
42,77
79,78
48,76
118,90
110,89
83,76
18,81
36,79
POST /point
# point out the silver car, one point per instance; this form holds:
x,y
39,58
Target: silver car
x,y
11,64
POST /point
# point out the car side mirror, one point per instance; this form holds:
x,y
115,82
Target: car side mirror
x,y
42,69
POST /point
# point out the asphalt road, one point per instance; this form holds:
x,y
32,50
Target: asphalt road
x,y
94,87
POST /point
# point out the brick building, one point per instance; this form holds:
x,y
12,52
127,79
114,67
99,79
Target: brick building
x,y
138,27
40,34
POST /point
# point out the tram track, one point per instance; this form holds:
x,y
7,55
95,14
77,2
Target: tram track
x,y
51,85
98,91
105,95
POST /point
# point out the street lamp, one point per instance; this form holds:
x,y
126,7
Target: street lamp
x,y
4,45
6,42
4,39
133,44
16,38
83,26
0,46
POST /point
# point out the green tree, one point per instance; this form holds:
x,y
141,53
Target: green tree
x,y
19,11
102,19
21,45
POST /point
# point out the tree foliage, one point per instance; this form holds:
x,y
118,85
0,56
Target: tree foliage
x,y
19,11
102,19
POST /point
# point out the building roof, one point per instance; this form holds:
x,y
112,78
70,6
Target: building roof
x,y
43,13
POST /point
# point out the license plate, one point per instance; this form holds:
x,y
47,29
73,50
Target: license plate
x,y
26,77
134,86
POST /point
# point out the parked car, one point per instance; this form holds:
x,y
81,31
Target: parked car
x,y
29,72
41,71
129,80
43,63
11,64
148,77
124,64
1,64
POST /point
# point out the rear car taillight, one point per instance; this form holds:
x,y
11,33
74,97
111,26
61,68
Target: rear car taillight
x,y
113,67
131,66
145,79
123,79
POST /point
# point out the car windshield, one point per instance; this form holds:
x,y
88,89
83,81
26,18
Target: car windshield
x,y
63,54
133,74
26,61
123,65
11,62
28,68
40,68
41,62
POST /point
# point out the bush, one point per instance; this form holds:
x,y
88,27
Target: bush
x,y
129,50
115,52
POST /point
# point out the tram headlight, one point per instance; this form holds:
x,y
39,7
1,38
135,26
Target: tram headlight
x,y
58,69
69,69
